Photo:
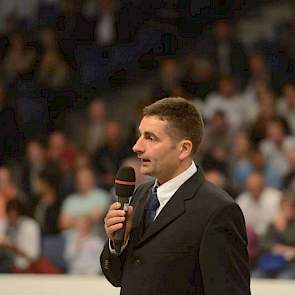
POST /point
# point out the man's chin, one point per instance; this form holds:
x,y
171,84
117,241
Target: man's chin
x,y
144,170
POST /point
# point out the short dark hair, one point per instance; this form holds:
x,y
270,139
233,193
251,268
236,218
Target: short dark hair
x,y
184,118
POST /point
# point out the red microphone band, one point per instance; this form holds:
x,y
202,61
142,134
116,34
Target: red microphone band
x,y
117,181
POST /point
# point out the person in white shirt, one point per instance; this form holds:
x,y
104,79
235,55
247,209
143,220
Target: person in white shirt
x,y
227,100
259,203
82,248
20,236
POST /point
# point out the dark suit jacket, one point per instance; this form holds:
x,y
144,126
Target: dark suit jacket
x,y
197,245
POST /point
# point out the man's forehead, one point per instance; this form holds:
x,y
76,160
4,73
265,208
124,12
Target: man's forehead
x,y
152,124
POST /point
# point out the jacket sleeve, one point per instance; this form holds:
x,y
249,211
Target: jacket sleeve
x,y
112,265
223,254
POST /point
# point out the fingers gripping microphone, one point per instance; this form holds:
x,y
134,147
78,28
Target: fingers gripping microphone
x,y
124,187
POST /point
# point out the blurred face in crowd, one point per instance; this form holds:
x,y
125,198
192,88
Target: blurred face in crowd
x,y
227,87
257,66
241,144
97,111
216,178
82,160
2,93
255,185
113,132
169,70
289,94
266,101
159,153
202,69
13,216
275,132
258,160
85,180
288,208
35,153
105,4
222,31
52,59
17,42
56,145
5,177
70,7
291,158
218,121
49,39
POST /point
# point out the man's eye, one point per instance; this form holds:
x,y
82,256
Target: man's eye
x,y
149,137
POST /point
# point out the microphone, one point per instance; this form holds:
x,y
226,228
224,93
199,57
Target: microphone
x,y
124,188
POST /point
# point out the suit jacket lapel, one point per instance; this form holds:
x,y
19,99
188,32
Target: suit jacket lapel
x,y
175,206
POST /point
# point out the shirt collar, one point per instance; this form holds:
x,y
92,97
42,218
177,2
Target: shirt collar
x,y
168,189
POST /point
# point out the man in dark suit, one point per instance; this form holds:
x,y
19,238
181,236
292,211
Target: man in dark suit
x,y
193,241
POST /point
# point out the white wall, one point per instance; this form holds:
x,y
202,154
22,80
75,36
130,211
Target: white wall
x,y
89,285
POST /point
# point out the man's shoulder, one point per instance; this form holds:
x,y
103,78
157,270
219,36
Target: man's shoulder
x,y
212,197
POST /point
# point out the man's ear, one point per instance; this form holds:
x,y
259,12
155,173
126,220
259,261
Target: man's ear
x,y
185,148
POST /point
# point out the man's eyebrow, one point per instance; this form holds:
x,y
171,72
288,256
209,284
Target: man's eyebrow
x,y
147,133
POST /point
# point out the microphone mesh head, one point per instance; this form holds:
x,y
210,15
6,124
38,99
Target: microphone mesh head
x,y
125,182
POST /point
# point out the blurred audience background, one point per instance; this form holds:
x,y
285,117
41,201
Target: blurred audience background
x,y
74,76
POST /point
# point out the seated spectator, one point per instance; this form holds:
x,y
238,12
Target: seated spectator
x,y
257,162
259,74
19,238
227,100
53,72
286,105
88,200
276,145
218,134
258,203
227,52
168,78
278,244
216,143
61,155
289,179
9,191
199,77
19,59
73,29
108,158
10,137
48,207
265,112
93,130
82,248
240,160
34,163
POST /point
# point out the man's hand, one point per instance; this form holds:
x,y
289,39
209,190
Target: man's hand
x,y
114,221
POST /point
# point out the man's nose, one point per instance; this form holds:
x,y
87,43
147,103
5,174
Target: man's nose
x,y
138,147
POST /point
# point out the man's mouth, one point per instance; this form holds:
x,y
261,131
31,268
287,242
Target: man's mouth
x,y
145,160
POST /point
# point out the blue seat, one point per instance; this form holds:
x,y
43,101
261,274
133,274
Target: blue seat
x,y
53,249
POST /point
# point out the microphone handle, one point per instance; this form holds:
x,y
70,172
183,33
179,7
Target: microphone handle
x,y
119,234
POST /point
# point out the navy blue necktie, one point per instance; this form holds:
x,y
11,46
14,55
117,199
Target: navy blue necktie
x,y
152,206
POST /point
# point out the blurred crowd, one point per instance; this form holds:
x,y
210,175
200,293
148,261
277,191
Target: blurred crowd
x,y
60,147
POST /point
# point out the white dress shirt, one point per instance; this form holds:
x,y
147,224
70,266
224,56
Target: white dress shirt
x,y
169,188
